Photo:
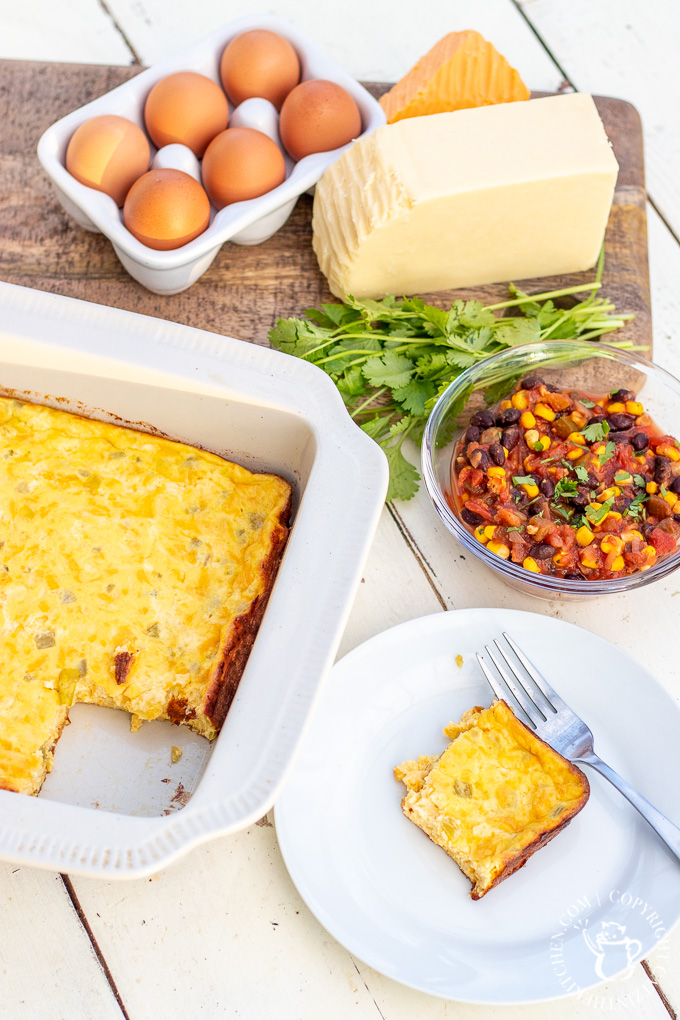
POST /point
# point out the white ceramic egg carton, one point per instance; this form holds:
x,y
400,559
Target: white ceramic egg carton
x,y
251,222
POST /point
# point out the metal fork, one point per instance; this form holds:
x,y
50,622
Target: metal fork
x,y
554,722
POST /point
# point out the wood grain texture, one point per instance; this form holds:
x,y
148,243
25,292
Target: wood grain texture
x,y
246,288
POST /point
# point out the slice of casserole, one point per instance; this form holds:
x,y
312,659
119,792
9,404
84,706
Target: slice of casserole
x,y
134,572
496,795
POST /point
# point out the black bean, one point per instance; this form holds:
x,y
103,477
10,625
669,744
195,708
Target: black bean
x,y
621,396
470,517
510,416
472,435
490,435
531,382
620,421
510,439
675,486
519,496
662,470
596,419
551,389
618,437
572,575
480,459
640,441
676,518
578,500
647,529
497,454
542,551
484,419
592,482
547,487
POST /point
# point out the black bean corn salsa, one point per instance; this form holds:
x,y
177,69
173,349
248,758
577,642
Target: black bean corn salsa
x,y
567,484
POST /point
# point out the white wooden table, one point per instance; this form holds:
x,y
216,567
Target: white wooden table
x,y
224,933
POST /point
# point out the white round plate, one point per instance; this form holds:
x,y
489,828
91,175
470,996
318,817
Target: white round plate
x,y
587,905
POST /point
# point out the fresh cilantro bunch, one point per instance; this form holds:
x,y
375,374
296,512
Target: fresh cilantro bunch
x,y
392,359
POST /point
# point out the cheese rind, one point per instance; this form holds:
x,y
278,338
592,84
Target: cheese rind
x,y
462,70
479,196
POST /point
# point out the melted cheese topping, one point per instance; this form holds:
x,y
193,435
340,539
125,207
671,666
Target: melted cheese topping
x,y
494,791
124,561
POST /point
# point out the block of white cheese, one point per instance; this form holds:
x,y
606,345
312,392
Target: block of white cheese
x,y
477,196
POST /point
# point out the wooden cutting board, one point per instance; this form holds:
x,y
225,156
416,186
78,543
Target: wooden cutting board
x,y
246,288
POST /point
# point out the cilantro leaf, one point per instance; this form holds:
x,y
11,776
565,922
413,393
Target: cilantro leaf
x,y
594,433
414,396
607,454
523,480
597,514
389,369
587,403
403,476
581,473
640,481
622,477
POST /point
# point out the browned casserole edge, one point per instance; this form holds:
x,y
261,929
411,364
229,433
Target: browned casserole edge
x,y
519,860
227,674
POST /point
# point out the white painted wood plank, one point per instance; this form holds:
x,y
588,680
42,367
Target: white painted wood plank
x,y
77,31
373,41
48,970
627,49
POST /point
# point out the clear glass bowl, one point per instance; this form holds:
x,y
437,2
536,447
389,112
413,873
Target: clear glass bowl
x,y
568,364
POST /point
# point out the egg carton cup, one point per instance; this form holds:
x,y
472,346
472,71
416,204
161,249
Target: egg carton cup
x,y
251,222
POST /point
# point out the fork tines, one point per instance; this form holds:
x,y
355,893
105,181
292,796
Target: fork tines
x,y
517,681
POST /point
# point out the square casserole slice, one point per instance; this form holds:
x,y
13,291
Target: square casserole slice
x,y
496,795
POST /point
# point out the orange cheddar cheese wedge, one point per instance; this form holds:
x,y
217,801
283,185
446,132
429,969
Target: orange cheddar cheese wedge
x,y
462,70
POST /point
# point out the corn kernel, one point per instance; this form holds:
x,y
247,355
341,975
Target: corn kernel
x,y
666,450
527,420
652,488
589,558
530,564
650,554
613,490
479,534
543,444
496,472
629,536
595,505
618,564
499,549
527,463
506,452
520,400
531,436
633,407
624,478
545,412
611,543
584,536
575,454
597,450
595,464
465,497
616,407
531,490
577,438
561,559
613,515
671,499
490,530
505,404
579,418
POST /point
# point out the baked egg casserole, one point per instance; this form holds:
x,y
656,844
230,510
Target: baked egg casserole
x,y
134,572
496,795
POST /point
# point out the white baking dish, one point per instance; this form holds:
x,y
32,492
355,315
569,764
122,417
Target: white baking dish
x,y
114,804
169,272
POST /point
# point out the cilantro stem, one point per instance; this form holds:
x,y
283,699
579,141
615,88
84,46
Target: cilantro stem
x,y
548,295
369,400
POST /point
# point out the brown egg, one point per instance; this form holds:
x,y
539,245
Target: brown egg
x,y
108,154
187,108
165,209
317,116
241,163
259,63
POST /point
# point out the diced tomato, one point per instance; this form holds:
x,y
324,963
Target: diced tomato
x,y
480,508
662,541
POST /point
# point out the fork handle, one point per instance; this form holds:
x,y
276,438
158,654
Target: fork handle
x,y
669,832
